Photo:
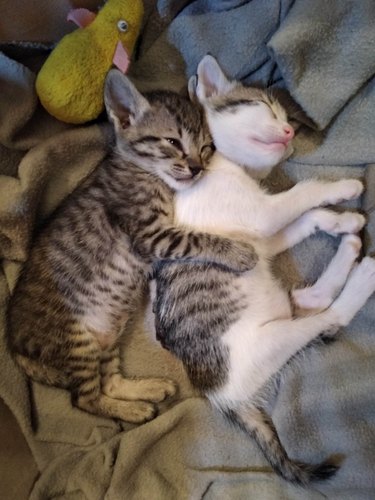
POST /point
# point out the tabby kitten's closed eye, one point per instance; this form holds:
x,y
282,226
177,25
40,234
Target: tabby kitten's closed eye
x,y
89,267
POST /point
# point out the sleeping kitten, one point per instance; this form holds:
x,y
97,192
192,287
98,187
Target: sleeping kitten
x,y
235,332
89,266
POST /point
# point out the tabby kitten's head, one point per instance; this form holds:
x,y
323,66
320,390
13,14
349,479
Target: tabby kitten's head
x,y
161,132
248,125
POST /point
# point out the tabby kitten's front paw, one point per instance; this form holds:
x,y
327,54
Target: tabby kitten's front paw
x,y
241,256
148,389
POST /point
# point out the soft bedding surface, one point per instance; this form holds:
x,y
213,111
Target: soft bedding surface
x,y
323,53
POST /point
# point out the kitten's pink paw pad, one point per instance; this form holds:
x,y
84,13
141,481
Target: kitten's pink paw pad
x,y
352,243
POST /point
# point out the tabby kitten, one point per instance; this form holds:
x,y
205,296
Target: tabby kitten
x,y
235,332
89,266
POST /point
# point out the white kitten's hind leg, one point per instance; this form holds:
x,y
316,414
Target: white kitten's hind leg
x,y
284,338
323,292
318,219
359,287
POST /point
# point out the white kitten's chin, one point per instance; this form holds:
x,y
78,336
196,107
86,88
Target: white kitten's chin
x,y
256,158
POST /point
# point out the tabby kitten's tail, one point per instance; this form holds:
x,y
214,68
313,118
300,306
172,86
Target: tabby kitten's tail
x,y
256,423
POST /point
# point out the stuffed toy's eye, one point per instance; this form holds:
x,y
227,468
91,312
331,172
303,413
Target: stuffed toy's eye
x,y
123,25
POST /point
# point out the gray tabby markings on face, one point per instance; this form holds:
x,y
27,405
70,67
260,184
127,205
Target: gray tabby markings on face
x,y
90,264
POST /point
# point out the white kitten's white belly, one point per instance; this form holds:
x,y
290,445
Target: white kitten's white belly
x,y
250,350
250,360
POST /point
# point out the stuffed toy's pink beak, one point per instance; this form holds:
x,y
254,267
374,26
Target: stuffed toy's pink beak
x,y
81,17
121,58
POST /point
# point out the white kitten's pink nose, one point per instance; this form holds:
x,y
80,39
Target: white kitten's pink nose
x,y
288,133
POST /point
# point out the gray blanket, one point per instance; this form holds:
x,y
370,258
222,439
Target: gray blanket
x,y
323,53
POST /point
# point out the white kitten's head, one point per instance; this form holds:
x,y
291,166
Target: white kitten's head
x,y
248,126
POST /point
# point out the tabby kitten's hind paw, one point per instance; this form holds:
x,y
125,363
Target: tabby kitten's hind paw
x,y
148,389
135,412
138,412
157,389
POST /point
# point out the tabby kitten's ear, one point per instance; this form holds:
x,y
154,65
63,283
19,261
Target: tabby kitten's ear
x,y
192,88
211,79
124,104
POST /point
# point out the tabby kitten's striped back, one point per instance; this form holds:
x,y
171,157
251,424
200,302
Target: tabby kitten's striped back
x,y
89,266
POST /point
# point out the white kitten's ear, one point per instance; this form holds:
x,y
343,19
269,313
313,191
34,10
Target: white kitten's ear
x,y
211,79
124,104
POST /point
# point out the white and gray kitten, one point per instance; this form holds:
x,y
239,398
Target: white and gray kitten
x,y
234,332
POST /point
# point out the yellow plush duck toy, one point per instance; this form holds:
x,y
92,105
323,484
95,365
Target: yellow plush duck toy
x,y
70,84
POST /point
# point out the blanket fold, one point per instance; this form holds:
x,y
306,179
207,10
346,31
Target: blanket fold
x,y
322,43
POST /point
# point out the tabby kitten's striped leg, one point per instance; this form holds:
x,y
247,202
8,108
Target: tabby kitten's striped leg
x,y
87,393
116,386
170,243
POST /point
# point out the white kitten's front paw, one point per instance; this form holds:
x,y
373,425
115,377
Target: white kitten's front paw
x,y
334,224
346,189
